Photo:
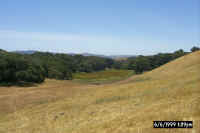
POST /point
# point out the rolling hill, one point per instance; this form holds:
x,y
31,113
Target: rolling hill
x,y
170,92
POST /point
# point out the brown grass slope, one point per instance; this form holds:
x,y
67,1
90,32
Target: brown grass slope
x,y
171,92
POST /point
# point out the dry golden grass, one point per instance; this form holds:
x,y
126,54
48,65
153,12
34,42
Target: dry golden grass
x,y
171,92
14,98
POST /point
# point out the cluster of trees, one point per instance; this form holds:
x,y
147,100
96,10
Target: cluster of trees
x,y
40,65
145,63
193,49
61,66
17,68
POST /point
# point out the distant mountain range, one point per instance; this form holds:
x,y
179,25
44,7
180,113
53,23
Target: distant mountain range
x,y
84,54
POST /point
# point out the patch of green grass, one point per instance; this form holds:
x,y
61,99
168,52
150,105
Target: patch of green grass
x,y
106,76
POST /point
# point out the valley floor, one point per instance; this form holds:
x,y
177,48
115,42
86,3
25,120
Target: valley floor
x,y
171,92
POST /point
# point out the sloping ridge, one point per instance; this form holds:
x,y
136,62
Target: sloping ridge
x,y
170,92
182,65
179,67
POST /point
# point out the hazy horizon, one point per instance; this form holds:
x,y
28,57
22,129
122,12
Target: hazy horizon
x,y
132,27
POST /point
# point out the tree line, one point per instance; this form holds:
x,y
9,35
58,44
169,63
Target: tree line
x,y
15,67
142,63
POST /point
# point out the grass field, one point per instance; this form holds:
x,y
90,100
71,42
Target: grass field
x,y
107,76
170,92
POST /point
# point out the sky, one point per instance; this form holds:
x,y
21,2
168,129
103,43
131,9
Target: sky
x,y
109,27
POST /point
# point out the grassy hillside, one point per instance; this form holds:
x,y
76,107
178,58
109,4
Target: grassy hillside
x,y
100,77
171,92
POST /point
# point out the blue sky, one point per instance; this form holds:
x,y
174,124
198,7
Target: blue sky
x,y
100,26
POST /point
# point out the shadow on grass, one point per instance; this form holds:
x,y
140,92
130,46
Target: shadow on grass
x,y
19,84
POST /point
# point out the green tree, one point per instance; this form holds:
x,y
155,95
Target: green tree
x,y
193,49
